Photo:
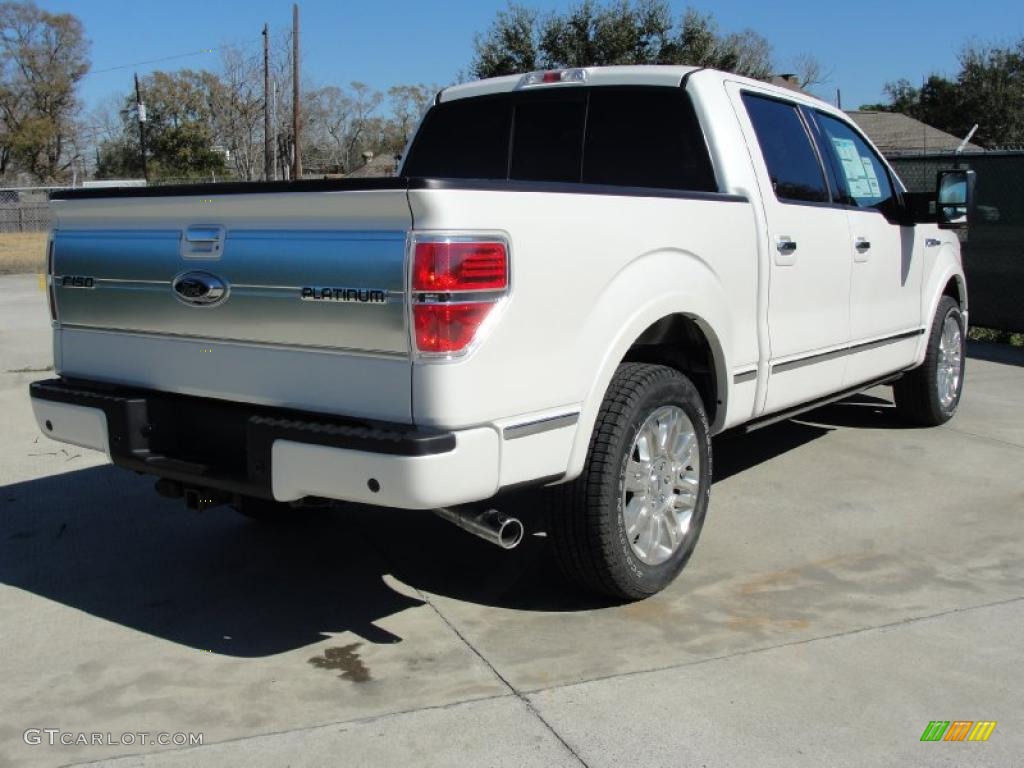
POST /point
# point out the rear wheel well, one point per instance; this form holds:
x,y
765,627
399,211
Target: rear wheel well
x,y
677,341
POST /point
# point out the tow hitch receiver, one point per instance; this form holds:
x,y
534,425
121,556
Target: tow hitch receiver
x,y
200,499
196,498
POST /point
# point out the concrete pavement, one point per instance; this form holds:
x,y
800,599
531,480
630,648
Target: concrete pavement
x,y
855,580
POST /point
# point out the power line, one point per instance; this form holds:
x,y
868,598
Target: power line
x,y
157,61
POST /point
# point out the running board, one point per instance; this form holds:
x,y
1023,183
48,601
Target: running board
x,y
789,413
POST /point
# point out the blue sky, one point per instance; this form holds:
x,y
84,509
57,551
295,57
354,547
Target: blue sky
x,y
387,42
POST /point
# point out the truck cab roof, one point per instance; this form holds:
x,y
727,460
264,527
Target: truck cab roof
x,y
638,74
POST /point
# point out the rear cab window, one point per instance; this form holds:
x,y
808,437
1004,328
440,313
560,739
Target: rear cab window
x,y
646,137
546,139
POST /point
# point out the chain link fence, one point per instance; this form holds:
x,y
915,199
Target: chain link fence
x,y
24,210
994,244
25,217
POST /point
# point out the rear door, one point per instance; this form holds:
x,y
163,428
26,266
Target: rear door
x,y
886,258
809,271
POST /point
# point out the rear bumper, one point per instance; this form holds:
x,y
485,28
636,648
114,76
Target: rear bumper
x,y
270,453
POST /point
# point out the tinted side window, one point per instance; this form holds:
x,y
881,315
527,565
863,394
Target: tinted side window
x,y
862,177
645,138
466,139
547,142
792,163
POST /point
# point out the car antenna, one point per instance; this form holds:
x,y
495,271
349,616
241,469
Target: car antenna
x,y
967,138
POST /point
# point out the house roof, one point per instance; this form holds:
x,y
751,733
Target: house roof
x,y
789,82
380,165
894,132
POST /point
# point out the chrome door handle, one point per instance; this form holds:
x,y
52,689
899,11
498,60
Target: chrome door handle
x,y
203,234
862,244
785,245
202,241
931,242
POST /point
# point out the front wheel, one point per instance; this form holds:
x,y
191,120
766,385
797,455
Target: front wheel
x,y
628,524
929,395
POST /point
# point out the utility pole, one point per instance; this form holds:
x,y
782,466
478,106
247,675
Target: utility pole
x,y
140,111
273,120
296,97
268,140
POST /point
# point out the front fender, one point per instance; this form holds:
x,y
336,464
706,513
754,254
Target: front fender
x,y
946,266
653,286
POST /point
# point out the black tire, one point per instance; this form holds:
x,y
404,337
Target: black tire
x,y
585,521
917,396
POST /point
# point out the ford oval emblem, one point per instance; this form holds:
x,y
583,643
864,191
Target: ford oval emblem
x,y
200,289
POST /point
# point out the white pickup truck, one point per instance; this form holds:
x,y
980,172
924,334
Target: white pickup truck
x,y
578,277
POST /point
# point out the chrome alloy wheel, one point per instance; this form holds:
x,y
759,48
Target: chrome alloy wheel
x,y
661,484
949,370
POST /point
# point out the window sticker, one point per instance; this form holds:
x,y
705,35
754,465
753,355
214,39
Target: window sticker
x,y
859,170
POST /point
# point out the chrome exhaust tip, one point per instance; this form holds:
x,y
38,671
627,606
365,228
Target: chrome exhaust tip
x,y
489,524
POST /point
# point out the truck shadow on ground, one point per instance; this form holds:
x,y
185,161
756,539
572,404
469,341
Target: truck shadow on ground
x,y
98,540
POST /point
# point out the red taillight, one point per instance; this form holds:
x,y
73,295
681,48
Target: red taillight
x,y
455,285
552,77
447,327
442,267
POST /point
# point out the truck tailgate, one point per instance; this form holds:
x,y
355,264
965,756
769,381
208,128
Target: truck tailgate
x,y
287,298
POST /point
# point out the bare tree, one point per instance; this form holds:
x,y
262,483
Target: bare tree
x,y
408,104
238,110
364,102
811,72
746,51
327,111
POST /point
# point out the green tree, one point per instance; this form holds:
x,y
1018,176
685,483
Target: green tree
x,y
511,45
619,32
991,83
180,129
989,91
43,56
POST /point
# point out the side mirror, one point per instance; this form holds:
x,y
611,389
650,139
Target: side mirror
x,y
954,198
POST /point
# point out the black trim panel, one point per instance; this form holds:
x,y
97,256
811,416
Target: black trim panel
x,y
740,378
852,349
524,484
388,182
685,80
224,445
237,188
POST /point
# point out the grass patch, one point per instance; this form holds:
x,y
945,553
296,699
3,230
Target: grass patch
x,y
996,336
22,252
